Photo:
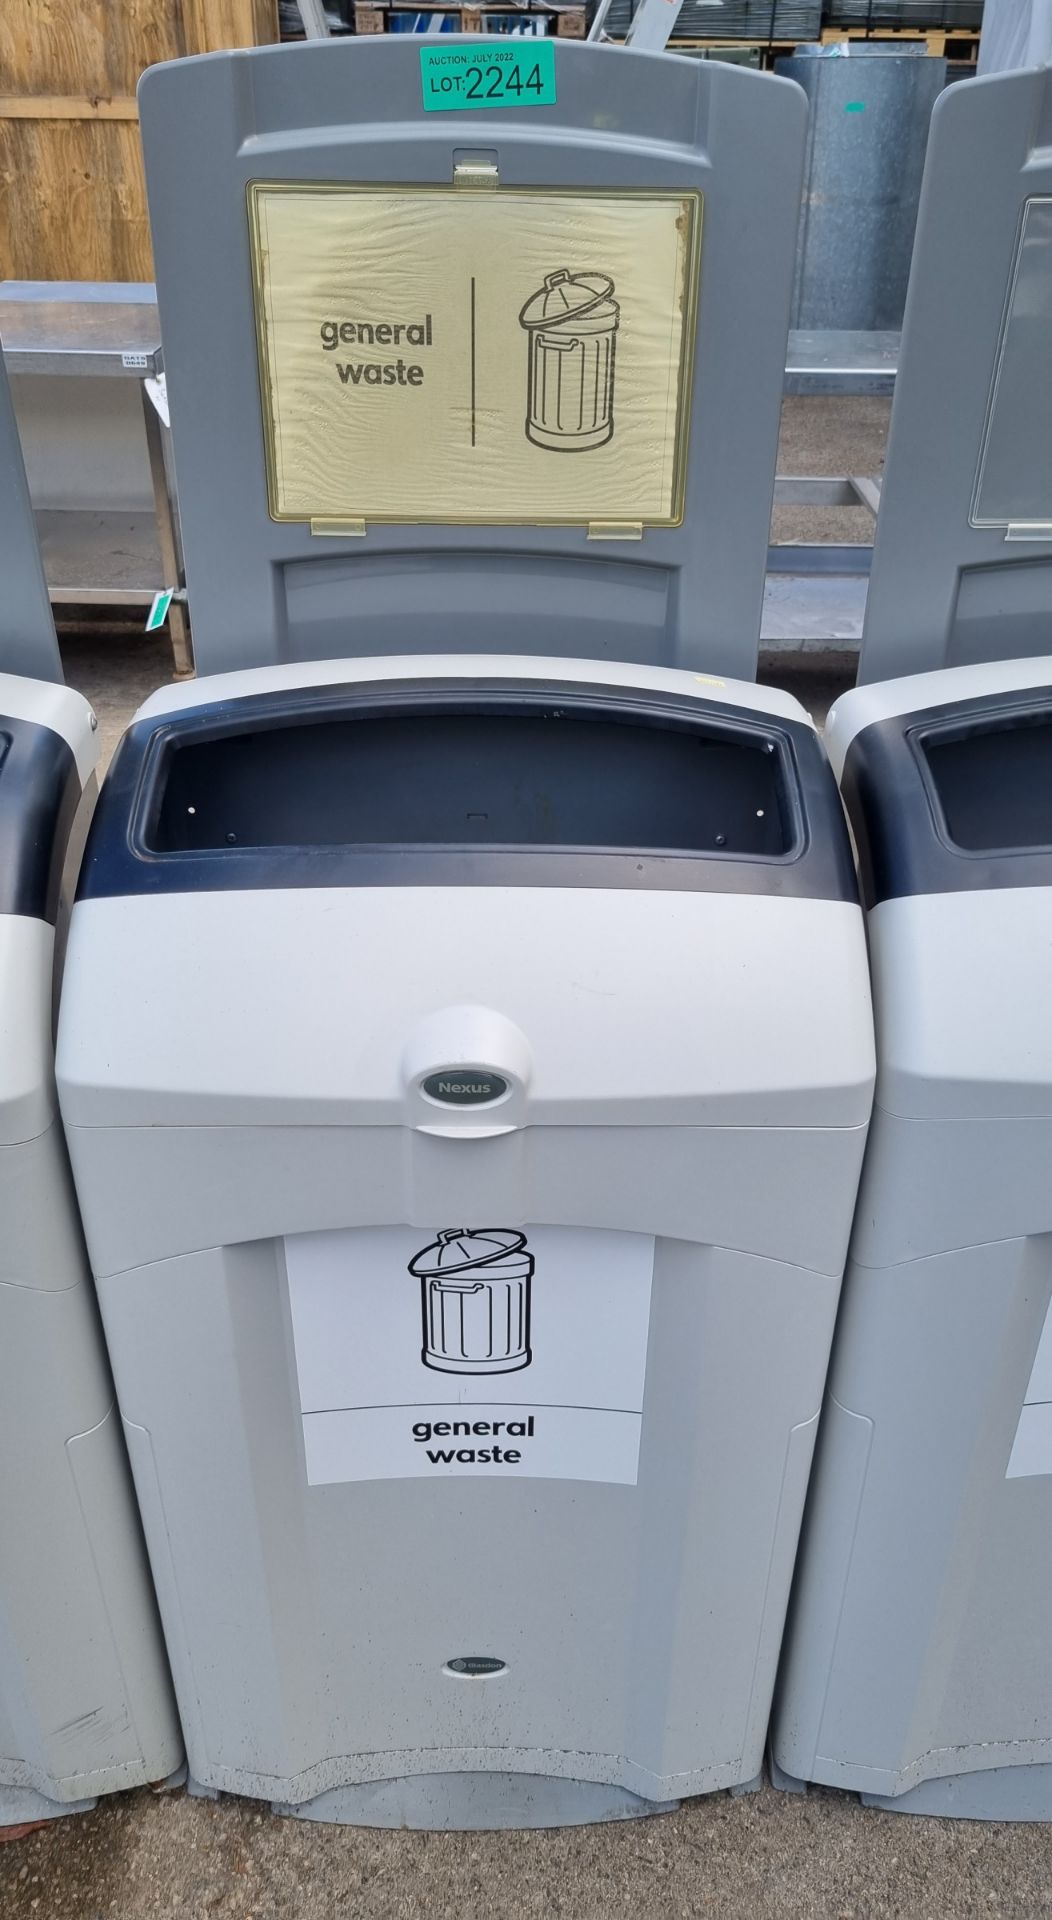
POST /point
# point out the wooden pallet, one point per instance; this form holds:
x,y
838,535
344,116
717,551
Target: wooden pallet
x,y
946,43
775,49
956,43
570,22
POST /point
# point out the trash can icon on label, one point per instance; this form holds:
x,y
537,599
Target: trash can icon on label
x,y
572,324
475,1299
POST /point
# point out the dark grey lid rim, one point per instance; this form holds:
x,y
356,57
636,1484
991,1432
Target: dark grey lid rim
x,y
118,862
904,845
40,791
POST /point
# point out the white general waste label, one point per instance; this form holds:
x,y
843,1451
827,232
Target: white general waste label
x,y
506,1352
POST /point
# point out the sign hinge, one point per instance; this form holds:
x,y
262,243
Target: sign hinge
x,y
1029,530
615,529
476,173
340,529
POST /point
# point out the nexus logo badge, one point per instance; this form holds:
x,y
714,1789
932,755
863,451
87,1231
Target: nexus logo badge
x,y
465,1087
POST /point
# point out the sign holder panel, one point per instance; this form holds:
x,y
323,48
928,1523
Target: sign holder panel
x,y
425,358
962,560
518,374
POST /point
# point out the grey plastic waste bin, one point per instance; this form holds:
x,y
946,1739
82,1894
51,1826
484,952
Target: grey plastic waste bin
x,y
918,1665
85,1702
543,979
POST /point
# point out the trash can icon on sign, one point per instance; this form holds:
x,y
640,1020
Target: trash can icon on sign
x,y
572,326
475,1299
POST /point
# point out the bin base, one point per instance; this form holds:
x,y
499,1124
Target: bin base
x,y
755,1785
20,1806
996,1793
475,1802
781,1781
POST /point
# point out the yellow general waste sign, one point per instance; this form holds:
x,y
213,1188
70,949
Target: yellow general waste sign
x,y
435,354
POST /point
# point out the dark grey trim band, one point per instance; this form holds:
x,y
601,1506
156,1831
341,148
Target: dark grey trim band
x,y
143,839
39,794
944,800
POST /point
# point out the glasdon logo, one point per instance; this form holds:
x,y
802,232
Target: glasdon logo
x,y
465,1087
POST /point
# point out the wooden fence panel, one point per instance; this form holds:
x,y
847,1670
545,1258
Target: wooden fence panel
x,y
72,195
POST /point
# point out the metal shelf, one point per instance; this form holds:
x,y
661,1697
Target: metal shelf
x,y
813,612
81,327
100,559
835,362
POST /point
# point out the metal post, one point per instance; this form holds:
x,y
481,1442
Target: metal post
x,y
595,31
652,26
312,14
167,538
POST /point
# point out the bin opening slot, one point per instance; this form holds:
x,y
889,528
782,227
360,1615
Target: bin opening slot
x,y
993,781
539,777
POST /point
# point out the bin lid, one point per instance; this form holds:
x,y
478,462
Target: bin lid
x,y
459,1248
44,703
47,754
916,693
945,780
568,297
784,1036
944,777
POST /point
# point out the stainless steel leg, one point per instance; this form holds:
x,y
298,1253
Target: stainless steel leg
x,y
168,539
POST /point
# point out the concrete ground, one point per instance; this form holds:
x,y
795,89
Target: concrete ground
x,y
830,436
766,1856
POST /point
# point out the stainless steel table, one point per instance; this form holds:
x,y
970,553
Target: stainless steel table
x,y
815,593
105,331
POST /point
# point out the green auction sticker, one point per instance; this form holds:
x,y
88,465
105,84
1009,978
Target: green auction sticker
x,y
518,74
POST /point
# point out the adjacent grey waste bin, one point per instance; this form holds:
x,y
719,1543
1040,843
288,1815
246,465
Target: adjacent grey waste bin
x,y
971,423
85,1703
918,1664
541,979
